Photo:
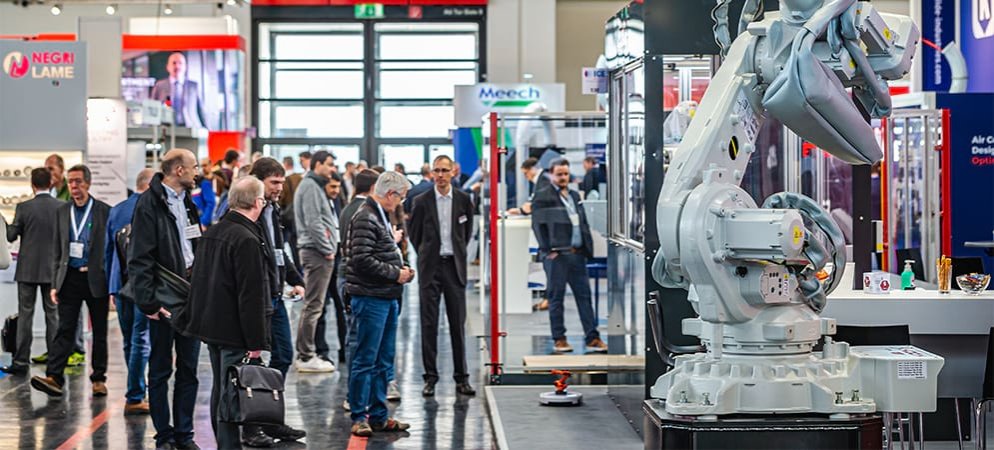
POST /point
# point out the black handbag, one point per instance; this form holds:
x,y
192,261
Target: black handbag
x,y
9,340
252,395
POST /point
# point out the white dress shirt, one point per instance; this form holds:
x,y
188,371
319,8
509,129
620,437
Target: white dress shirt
x,y
443,203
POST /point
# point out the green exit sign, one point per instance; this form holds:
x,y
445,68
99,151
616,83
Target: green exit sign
x,y
369,11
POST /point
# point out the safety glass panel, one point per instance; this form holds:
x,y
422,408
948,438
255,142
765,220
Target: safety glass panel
x,y
303,121
397,121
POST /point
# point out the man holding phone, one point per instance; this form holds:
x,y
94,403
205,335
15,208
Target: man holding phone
x,y
375,276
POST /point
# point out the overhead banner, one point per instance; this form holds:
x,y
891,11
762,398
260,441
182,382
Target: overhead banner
x,y
474,102
42,95
977,33
107,148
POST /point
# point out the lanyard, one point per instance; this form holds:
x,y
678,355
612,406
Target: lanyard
x,y
78,229
387,225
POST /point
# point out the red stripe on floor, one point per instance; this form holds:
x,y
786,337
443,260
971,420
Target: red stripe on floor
x,y
82,435
355,443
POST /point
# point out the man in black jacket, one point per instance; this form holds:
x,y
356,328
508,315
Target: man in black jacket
x,y
78,277
441,225
375,277
593,177
164,232
231,295
272,175
564,242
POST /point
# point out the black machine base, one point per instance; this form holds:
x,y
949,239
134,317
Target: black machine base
x,y
766,432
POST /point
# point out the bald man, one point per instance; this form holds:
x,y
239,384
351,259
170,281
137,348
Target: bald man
x,y
182,93
164,235
134,324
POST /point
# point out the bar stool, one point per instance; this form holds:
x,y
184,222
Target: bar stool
x,y
981,405
888,335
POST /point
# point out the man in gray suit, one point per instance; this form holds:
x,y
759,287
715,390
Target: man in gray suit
x,y
182,92
34,223
79,276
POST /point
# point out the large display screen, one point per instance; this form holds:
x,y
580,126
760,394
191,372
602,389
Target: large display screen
x,y
202,86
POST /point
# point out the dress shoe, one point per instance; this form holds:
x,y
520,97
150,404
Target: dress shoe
x,y
465,389
429,390
541,306
187,446
562,346
136,409
99,389
391,426
47,385
284,433
596,345
362,429
252,436
15,370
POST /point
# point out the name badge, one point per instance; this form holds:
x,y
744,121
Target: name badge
x,y
462,219
574,219
279,258
191,232
75,249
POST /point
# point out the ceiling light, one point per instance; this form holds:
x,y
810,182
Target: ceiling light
x,y
168,10
111,9
56,9
527,76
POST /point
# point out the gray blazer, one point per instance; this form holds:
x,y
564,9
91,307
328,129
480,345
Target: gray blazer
x,y
96,273
34,224
192,108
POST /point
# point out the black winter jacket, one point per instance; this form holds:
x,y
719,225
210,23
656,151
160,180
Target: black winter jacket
x,y
155,239
372,259
230,299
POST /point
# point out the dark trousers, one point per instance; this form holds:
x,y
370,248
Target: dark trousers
x,y
570,268
160,367
76,291
446,283
27,298
320,334
281,356
227,435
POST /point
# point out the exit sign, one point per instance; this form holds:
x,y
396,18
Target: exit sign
x,y
369,11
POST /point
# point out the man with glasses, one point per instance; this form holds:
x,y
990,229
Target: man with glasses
x,y
375,277
78,277
441,225
165,232
317,237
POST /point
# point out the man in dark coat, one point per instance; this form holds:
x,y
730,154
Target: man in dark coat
x,y
231,294
565,244
441,225
78,277
375,277
164,233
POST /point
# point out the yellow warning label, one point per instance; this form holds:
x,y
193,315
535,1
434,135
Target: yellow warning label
x,y
887,33
798,235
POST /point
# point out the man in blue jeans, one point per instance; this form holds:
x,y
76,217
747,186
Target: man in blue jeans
x,y
273,177
560,225
374,278
134,324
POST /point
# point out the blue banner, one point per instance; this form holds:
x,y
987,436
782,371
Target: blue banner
x,y
977,34
938,26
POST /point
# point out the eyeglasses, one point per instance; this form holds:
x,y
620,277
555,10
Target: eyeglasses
x,y
401,197
75,181
441,170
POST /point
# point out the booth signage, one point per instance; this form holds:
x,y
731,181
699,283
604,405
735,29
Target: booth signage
x,y
975,26
594,81
106,149
473,102
42,95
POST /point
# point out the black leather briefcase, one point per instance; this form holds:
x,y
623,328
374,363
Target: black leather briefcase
x,y
252,395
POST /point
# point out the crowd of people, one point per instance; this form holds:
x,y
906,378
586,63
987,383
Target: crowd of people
x,y
246,239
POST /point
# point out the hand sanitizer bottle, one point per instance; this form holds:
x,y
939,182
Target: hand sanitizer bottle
x,y
908,276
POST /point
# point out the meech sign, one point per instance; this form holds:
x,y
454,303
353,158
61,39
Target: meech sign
x,y
42,95
474,102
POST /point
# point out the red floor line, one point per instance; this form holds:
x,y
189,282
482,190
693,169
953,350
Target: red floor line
x,y
82,435
355,443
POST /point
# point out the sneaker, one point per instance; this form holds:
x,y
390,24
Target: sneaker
x,y
362,429
47,385
346,406
252,436
40,359
315,365
596,345
393,394
391,425
99,389
561,346
75,359
136,409
283,432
